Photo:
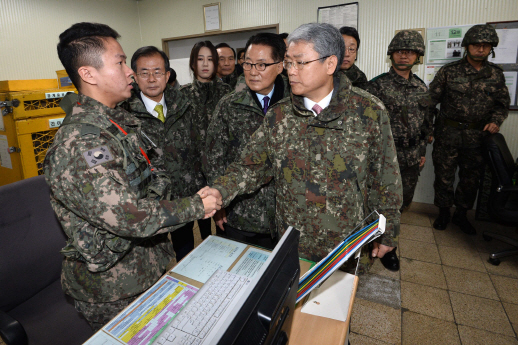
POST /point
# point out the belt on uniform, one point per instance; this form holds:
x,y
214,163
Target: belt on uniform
x,y
463,125
404,142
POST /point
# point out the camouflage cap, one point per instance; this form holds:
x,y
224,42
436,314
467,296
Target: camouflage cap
x,y
407,40
483,33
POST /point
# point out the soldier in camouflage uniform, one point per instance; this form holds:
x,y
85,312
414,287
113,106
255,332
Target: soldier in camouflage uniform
x,y
228,71
408,105
203,94
474,102
251,218
348,67
170,131
328,148
103,190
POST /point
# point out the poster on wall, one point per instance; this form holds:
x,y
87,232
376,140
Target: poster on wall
x,y
507,50
339,15
444,44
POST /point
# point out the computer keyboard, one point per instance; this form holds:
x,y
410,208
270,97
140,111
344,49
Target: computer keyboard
x,y
202,312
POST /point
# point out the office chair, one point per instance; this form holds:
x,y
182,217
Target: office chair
x,y
33,307
503,197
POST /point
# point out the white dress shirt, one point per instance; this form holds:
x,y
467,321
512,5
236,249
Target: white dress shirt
x,y
324,103
150,104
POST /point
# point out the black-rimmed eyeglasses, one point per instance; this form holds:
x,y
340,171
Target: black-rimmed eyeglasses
x,y
247,66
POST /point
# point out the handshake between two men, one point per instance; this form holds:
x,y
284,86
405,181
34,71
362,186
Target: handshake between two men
x,y
212,200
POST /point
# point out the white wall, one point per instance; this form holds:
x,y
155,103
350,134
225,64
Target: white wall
x,y
29,31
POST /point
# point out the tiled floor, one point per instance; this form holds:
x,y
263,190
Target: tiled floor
x,y
445,293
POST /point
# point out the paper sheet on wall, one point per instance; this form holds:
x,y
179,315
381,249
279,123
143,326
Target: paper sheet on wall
x,y
250,262
142,321
338,16
5,156
511,79
444,44
429,73
211,255
507,50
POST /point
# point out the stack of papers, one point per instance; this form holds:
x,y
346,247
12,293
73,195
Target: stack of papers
x,y
315,276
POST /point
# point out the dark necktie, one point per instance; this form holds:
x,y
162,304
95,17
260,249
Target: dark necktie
x,y
265,106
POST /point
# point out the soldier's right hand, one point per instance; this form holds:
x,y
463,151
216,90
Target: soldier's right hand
x,y
210,203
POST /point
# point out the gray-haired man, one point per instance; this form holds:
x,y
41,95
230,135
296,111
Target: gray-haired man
x,y
329,148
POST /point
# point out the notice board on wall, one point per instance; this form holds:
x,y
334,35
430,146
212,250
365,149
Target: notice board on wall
x,y
506,56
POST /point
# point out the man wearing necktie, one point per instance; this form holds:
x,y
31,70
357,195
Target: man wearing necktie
x,y
249,218
328,148
163,112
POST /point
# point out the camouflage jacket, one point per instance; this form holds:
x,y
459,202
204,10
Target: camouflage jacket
x,y
203,97
236,118
469,96
117,246
410,111
356,76
175,141
232,78
329,170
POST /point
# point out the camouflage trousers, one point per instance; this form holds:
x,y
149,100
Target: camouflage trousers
x,y
99,314
352,266
409,177
446,159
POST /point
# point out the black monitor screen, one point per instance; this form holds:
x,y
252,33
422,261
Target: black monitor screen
x,y
266,315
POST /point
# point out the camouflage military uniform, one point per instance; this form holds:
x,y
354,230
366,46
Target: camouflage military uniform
x,y
99,179
329,170
469,99
236,118
410,112
356,76
232,78
204,97
176,137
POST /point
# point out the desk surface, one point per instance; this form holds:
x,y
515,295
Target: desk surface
x,y
306,328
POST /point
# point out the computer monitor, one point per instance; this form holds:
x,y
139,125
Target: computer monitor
x,y
265,316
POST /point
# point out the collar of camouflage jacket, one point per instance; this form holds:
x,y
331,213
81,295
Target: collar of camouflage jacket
x,y
353,73
88,110
246,99
175,101
484,72
412,80
341,95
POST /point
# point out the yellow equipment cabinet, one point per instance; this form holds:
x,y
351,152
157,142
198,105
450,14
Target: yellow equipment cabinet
x,y
29,122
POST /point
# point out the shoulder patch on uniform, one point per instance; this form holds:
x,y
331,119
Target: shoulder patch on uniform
x,y
97,156
381,75
90,129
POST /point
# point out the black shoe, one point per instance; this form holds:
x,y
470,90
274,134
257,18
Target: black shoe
x,y
390,261
444,218
460,219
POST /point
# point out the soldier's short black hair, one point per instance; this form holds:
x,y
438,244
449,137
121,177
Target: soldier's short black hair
x,y
194,57
147,52
83,45
350,31
273,41
224,45
284,35
172,76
